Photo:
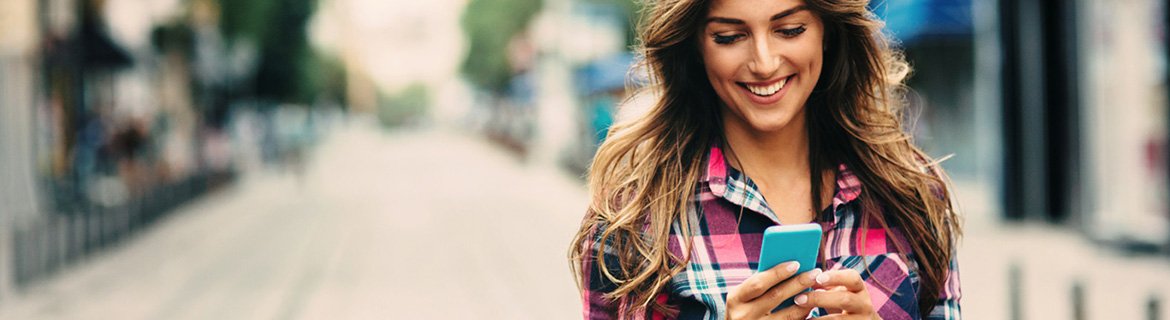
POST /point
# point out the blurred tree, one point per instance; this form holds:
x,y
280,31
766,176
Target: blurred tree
x,y
489,25
327,77
405,106
278,27
246,19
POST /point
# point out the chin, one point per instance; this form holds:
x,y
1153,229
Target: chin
x,y
770,128
772,120
769,125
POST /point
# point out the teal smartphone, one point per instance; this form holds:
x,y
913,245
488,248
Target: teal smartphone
x,y
794,242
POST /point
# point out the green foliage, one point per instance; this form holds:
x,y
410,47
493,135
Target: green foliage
x,y
278,27
250,19
326,77
489,25
406,106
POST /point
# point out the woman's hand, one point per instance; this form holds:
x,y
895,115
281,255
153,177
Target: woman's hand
x,y
842,293
759,294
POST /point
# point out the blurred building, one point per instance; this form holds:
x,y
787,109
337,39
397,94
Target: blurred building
x,y
1054,111
19,39
583,64
105,126
1084,111
19,43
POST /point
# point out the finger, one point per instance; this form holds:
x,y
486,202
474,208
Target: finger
x,y
760,282
793,312
829,311
842,316
788,288
849,302
767,301
847,278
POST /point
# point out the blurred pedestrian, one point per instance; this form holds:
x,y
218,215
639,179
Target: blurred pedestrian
x,y
768,112
129,145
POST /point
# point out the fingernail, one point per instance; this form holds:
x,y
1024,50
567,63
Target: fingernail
x,y
823,278
793,266
801,300
812,275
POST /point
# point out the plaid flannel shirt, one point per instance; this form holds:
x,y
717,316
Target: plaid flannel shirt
x,y
725,253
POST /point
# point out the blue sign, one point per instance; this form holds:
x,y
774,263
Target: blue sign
x,y
914,20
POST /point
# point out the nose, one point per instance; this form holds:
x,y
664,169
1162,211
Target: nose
x,y
764,61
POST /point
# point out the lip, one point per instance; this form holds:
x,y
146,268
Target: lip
x,y
769,99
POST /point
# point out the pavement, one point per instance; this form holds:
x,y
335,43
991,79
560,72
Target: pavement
x,y
437,224
401,225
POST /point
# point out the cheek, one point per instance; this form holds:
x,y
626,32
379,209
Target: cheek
x,y
817,61
813,58
721,65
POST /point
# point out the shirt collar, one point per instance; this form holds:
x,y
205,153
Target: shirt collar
x,y
716,175
848,187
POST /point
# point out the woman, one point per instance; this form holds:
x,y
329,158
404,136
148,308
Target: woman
x,y
768,112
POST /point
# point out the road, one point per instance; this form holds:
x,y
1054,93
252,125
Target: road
x,y
408,224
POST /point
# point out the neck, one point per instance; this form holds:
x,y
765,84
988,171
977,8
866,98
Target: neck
x,y
777,158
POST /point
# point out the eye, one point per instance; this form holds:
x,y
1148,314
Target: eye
x,y
792,32
721,39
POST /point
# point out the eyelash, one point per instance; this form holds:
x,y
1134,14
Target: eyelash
x,y
720,39
792,32
726,39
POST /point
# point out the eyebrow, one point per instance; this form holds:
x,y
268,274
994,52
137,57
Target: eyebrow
x,y
778,16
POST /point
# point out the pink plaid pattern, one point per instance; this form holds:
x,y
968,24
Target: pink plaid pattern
x,y
726,247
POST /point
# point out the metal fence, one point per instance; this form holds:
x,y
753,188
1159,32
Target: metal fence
x,y
44,246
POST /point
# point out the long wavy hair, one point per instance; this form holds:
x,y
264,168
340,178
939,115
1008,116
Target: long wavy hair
x,y
643,176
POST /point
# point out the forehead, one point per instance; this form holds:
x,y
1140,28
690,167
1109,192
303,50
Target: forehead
x,y
749,9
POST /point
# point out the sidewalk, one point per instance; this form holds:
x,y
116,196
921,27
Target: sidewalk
x,y
367,235
1050,264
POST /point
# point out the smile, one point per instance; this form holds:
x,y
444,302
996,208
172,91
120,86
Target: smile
x,y
766,89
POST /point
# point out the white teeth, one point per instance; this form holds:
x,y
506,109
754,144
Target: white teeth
x,y
769,90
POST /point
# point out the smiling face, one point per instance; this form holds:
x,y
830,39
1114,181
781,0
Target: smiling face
x,y
763,57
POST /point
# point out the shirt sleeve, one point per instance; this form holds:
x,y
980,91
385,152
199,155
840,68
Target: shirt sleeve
x,y
595,284
947,307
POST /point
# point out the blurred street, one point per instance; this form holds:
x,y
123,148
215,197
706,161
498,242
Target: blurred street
x,y
365,232
394,224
